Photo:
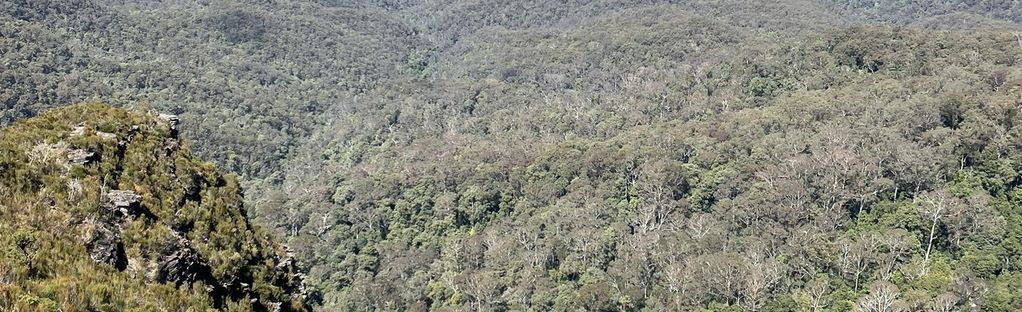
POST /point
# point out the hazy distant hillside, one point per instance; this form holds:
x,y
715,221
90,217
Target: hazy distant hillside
x,y
594,155
907,12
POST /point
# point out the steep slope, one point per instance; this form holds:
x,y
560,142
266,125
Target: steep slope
x,y
542,154
105,209
249,77
783,178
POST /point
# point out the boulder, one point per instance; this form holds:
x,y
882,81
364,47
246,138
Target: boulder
x,y
172,120
79,156
105,246
181,265
124,203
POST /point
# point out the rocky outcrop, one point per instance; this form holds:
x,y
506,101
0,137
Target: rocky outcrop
x,y
138,201
170,119
170,144
172,122
79,156
295,281
181,265
124,204
104,246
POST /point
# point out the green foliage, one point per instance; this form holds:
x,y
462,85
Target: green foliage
x,y
525,155
826,169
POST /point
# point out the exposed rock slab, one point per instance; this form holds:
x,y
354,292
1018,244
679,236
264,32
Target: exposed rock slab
x,y
105,246
124,203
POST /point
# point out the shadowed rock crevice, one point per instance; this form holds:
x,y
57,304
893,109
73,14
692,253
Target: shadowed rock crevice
x,y
105,247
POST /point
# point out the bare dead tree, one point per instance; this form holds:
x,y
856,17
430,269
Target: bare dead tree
x,y
816,292
946,302
936,206
882,297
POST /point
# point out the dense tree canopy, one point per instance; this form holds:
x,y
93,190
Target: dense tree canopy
x,y
583,155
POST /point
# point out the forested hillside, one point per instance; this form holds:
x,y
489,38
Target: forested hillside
x,y
798,155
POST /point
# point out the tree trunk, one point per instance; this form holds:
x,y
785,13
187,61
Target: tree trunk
x,y
929,244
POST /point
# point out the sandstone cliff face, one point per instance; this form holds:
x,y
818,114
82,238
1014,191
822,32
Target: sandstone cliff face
x,y
123,202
